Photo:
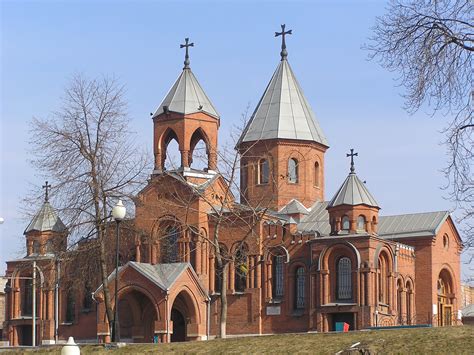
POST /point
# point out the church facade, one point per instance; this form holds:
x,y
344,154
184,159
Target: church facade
x,y
287,259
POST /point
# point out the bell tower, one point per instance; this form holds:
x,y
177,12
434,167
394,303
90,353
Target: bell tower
x,y
282,147
186,115
353,209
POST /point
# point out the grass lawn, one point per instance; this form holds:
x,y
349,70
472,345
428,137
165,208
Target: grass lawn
x,y
447,340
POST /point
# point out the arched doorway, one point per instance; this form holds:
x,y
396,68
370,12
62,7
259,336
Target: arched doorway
x,y
445,298
137,316
179,326
183,317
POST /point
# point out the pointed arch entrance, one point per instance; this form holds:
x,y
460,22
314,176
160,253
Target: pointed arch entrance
x,y
445,298
137,317
184,317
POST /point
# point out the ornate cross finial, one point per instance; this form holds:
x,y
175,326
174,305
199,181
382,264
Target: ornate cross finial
x,y
186,57
352,155
46,187
284,52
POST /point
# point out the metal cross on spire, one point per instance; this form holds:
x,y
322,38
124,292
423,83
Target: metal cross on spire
x,y
46,187
352,155
283,33
186,57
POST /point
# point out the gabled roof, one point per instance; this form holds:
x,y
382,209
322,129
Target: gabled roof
x,y
46,220
411,225
283,112
162,275
353,192
186,96
293,207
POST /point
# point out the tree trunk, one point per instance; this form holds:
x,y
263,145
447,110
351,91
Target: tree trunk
x,y
223,298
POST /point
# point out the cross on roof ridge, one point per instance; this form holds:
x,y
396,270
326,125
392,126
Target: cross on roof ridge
x,y
284,52
46,186
352,155
186,56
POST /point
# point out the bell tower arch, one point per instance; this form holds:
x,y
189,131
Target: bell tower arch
x,y
187,115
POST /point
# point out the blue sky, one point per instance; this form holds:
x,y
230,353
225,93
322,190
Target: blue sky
x,y
358,104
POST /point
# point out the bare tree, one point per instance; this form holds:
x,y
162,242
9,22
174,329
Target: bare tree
x,y
86,148
430,44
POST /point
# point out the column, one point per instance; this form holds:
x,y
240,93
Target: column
x,y
197,252
212,275
390,291
362,289
185,158
259,273
252,271
212,164
187,252
158,161
138,256
269,280
231,277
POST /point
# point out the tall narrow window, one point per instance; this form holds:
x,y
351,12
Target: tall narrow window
x,y
408,302
344,279
383,279
27,297
293,170
169,245
70,307
346,223
278,261
399,302
361,223
263,171
241,270
299,288
317,175
87,300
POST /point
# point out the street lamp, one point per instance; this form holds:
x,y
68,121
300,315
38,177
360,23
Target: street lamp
x,y
118,213
1,220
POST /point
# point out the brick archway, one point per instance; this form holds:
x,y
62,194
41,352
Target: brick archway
x,y
137,317
184,316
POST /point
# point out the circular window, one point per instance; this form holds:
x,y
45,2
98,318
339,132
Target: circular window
x,y
445,241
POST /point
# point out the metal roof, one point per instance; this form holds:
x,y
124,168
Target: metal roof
x,y
46,220
389,227
283,112
163,275
411,225
294,206
186,96
353,192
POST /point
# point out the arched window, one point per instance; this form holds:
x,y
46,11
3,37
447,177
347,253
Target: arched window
x,y
383,279
293,170
169,245
344,279
361,223
445,241
317,175
346,223
409,302
70,307
241,270
299,288
263,171
399,302
49,247
36,247
278,265
26,296
218,271
87,299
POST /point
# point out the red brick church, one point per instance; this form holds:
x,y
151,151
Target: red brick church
x,y
294,260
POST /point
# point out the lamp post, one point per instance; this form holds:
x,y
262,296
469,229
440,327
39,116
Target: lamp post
x,y
118,213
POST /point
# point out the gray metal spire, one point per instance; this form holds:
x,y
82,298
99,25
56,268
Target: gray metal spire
x,y
186,56
283,112
283,33
46,219
186,96
353,191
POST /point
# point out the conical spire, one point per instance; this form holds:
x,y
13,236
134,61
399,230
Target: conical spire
x,y
353,191
283,111
46,219
186,96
